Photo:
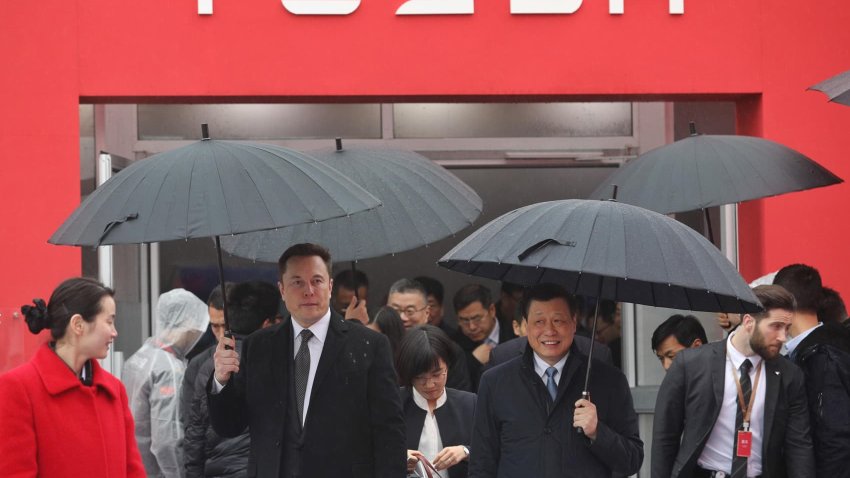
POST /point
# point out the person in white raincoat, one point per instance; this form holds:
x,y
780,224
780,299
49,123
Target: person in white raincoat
x,y
153,377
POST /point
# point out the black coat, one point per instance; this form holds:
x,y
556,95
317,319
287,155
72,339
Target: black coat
x,y
692,394
824,357
475,367
454,419
519,432
205,453
354,426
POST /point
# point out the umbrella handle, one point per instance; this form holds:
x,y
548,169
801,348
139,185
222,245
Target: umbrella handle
x,y
586,396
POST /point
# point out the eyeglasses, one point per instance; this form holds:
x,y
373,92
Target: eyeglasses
x,y
423,380
464,322
409,310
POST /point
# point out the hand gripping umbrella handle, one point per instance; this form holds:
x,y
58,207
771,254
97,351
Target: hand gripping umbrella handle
x,y
586,396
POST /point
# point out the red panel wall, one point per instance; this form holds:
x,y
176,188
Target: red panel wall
x,y
54,52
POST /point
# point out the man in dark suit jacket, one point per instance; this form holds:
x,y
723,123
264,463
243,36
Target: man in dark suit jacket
x,y
479,331
700,390
528,409
330,410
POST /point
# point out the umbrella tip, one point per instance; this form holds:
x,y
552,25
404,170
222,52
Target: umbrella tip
x,y
338,144
614,195
205,132
693,127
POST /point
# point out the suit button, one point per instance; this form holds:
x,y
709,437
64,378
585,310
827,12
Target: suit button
x,y
277,444
547,430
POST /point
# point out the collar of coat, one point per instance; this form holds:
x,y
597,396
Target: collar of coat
x,y
58,378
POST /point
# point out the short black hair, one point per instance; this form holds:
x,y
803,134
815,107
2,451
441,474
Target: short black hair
x,y
686,329
470,294
421,350
773,297
832,308
511,288
216,298
305,249
350,279
432,287
249,304
804,283
545,292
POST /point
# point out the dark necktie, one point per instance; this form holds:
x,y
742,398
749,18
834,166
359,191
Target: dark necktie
x,y
739,463
550,382
302,371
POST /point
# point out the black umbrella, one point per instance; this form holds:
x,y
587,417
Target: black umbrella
x,y
208,189
703,171
422,203
607,250
836,88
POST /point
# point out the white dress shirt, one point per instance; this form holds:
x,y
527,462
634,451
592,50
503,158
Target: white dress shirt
x,y
718,452
316,344
430,442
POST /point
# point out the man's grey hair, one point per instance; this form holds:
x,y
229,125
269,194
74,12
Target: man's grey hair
x,y
407,286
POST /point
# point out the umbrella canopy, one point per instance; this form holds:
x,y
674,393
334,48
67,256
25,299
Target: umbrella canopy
x,y
422,203
836,88
211,188
703,171
608,250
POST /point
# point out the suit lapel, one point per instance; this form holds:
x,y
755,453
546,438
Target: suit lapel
x,y
771,396
571,368
414,419
447,422
718,376
282,358
334,343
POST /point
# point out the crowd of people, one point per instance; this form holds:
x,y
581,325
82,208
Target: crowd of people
x,y
311,383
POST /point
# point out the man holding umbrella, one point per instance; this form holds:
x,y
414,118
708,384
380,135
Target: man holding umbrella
x,y
528,409
318,394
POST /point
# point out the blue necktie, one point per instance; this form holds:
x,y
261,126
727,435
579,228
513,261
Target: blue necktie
x,y
550,382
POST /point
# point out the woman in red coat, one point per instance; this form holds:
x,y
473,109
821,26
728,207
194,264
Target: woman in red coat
x,y
61,414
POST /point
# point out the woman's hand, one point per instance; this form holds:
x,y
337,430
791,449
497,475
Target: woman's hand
x,y
413,457
449,457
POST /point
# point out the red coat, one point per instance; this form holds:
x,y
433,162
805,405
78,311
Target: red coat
x,y
51,425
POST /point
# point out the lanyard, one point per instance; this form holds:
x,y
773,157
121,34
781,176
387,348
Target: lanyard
x,y
746,408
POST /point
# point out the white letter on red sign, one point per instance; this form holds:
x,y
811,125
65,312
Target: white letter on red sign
x,y
544,6
436,7
320,7
615,7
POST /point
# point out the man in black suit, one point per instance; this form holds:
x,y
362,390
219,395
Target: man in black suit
x,y
528,409
705,388
318,394
822,351
478,329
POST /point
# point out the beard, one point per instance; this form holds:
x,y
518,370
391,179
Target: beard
x,y
760,346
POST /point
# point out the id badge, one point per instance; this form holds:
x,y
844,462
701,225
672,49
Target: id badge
x,y
745,443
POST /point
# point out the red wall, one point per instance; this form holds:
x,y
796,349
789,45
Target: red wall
x,y
765,53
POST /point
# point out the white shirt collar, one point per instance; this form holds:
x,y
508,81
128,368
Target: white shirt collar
x,y
541,365
737,357
422,402
793,343
493,338
319,329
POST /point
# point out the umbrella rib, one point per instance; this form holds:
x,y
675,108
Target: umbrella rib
x,y
221,184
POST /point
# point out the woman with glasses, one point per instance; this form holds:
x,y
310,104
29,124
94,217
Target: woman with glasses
x,y
438,419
